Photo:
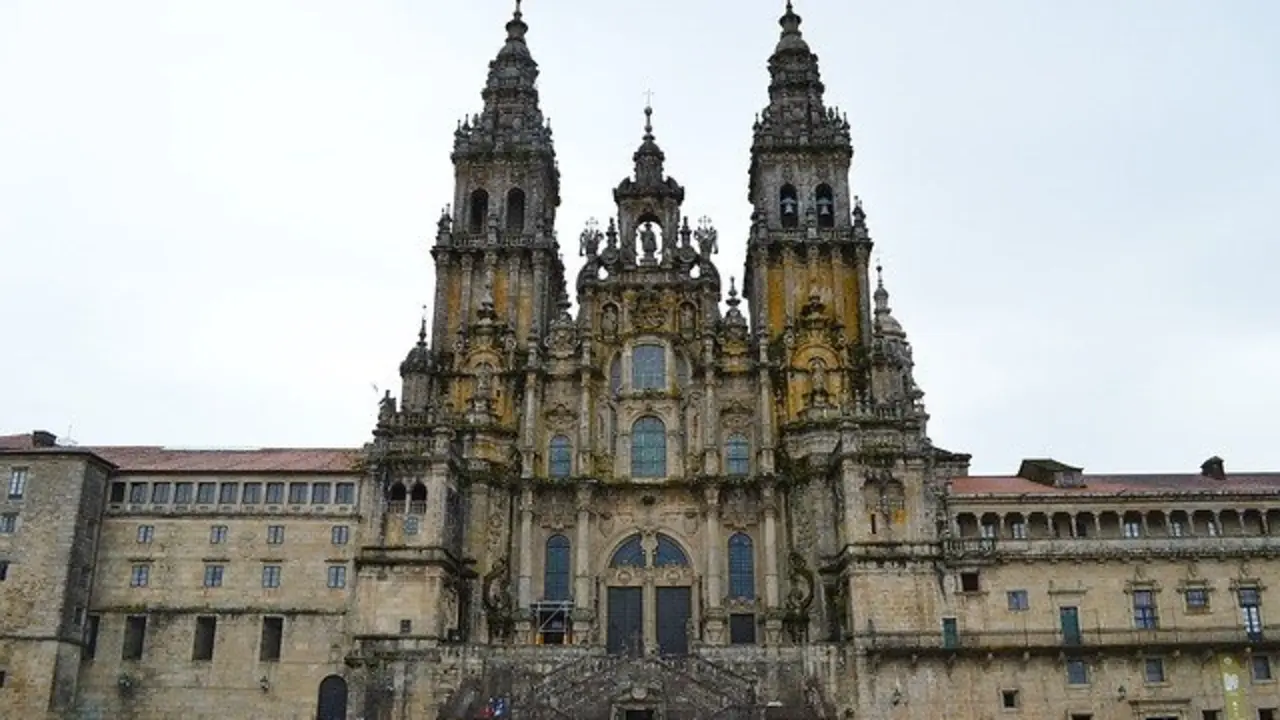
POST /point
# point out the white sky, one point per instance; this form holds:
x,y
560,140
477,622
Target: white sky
x,y
215,216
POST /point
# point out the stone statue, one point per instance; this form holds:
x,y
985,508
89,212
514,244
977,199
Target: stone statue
x,y
648,240
386,408
589,242
609,320
687,321
496,595
708,240
818,370
484,379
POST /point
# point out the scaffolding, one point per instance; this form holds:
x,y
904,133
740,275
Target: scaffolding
x,y
555,621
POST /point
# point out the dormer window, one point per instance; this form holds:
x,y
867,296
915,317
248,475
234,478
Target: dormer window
x,y
649,368
789,206
826,206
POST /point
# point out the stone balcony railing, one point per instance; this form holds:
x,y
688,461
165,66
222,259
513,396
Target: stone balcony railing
x,y
1095,547
1055,641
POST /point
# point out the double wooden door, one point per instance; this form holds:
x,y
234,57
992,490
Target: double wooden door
x,y
626,620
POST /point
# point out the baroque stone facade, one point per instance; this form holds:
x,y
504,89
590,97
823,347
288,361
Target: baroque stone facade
x,y
650,508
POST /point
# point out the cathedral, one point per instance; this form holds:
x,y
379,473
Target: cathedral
x,y
685,501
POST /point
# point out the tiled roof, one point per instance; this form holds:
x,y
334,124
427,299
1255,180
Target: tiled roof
x,y
1093,484
267,460
154,459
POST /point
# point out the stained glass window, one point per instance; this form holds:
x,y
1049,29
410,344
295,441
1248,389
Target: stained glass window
x,y
629,554
669,554
742,569
561,457
556,572
648,448
649,368
737,455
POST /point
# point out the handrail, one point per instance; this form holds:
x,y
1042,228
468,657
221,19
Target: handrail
x,y
1056,638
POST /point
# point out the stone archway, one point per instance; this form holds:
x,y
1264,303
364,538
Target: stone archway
x,y
332,704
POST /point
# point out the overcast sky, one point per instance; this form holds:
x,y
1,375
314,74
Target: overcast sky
x,y
215,216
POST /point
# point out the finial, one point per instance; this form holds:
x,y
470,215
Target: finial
x,y
517,28
648,118
518,14
879,275
422,328
733,288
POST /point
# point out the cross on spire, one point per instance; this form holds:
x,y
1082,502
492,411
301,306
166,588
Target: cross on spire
x,y
648,98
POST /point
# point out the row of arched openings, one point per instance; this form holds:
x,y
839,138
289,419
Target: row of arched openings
x,y
402,498
478,212
649,452
825,205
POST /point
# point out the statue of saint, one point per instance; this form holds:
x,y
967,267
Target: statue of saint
x,y
609,320
648,240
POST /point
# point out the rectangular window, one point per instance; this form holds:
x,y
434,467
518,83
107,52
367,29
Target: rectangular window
x,y
275,493
252,494
272,637
17,483
146,533
270,576
138,493
1018,600
1132,529
337,576
8,523
297,493
406,627
217,534
160,493
1019,530
213,576
1266,714
1211,715
339,534
742,629
117,492
320,493
275,534
1211,527
1144,610
345,493
228,493
1154,670
135,637
4,570
206,493
1261,668
1009,699
1197,600
1077,672
1081,716
182,493
969,582
141,575
990,531
91,637
1251,611
206,631
1177,529
649,367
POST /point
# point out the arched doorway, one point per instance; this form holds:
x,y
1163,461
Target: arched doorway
x,y
333,699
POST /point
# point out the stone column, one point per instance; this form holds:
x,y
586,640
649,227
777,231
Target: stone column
x,y
715,614
526,548
440,311
540,301
465,309
765,420
583,607
767,499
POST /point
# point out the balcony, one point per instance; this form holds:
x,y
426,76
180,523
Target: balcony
x,y
910,644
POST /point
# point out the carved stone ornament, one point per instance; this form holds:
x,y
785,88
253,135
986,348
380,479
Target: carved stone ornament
x,y
497,602
649,313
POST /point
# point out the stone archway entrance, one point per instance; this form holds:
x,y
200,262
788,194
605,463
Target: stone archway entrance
x,y
332,703
649,597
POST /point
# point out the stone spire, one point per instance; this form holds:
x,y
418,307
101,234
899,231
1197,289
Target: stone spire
x,y
649,158
796,114
512,120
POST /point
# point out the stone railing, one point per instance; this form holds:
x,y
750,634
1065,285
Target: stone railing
x,y
1090,547
705,672
921,643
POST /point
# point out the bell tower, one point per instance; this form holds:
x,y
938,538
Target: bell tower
x,y
496,242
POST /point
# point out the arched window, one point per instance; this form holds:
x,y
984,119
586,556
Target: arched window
x,y
669,554
629,554
615,375
648,448
737,455
649,367
555,576
332,701
826,206
560,458
396,496
789,206
418,499
515,211
742,568
479,211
